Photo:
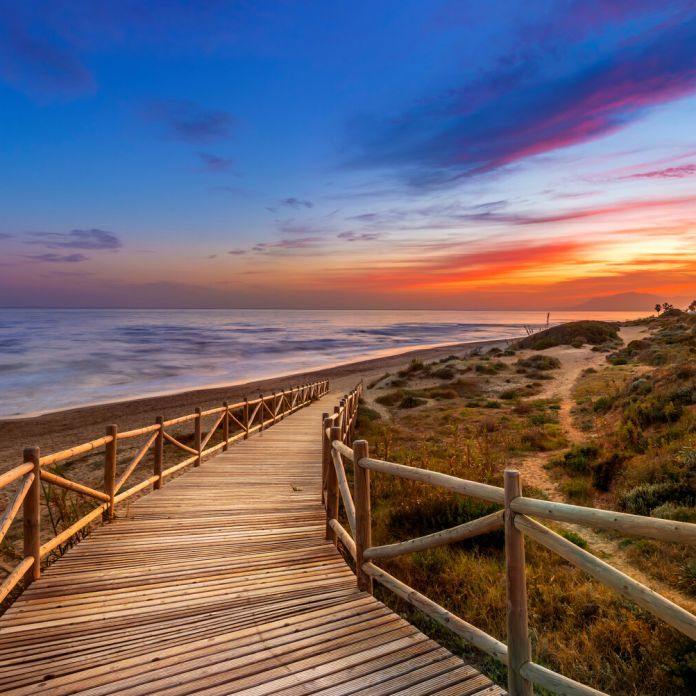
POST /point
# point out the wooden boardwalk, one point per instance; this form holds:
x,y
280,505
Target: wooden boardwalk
x,y
221,583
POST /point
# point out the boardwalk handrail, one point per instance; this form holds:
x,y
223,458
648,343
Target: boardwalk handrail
x,y
515,518
237,421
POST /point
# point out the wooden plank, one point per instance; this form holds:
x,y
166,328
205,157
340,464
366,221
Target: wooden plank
x,y
222,582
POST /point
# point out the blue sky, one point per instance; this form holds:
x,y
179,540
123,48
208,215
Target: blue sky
x,y
445,154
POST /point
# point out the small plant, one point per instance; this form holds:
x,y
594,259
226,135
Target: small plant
x,y
574,538
540,362
410,401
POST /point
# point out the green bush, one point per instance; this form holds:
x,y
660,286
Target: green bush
x,y
594,332
410,401
646,497
603,404
670,511
578,490
390,398
580,458
540,362
444,373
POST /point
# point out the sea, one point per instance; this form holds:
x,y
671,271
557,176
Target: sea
x,y
55,359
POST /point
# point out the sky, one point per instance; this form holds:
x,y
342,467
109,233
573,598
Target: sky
x,y
511,154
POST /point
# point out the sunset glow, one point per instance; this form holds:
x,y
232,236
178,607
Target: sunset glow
x,y
394,154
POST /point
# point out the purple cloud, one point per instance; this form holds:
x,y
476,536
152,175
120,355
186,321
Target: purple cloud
x,y
58,258
350,236
237,252
516,112
667,173
191,122
215,163
297,203
299,243
93,239
36,59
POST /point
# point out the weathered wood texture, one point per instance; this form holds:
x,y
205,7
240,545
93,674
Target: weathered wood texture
x,y
221,582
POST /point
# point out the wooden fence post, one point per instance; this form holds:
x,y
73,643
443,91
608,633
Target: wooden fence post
x,y
325,453
226,425
159,454
363,513
519,647
246,417
331,484
275,406
262,405
31,512
197,436
282,404
110,471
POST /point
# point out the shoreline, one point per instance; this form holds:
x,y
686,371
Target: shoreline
x,y
56,430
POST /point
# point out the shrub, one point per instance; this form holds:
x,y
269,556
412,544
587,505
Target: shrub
x,y
670,511
540,362
410,401
444,373
413,367
603,404
645,497
594,332
579,459
390,398
604,471
578,490
416,516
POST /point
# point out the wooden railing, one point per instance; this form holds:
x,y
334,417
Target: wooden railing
x,y
231,422
515,517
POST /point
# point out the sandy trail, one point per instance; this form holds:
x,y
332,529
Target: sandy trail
x,y
534,473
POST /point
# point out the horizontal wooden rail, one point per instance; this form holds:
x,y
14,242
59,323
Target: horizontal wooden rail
x,y
128,434
12,475
434,478
74,451
344,450
468,530
555,682
28,492
626,586
634,525
478,638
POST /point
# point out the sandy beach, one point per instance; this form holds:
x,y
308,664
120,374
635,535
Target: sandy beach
x,y
61,429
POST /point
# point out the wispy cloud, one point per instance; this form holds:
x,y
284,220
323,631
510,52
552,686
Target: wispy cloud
x,y
191,122
215,163
679,172
350,236
297,203
285,244
57,258
237,252
520,111
37,60
92,239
